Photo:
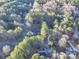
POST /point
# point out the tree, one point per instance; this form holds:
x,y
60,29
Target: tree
x,y
44,28
12,14
62,55
35,56
42,57
26,48
6,49
41,1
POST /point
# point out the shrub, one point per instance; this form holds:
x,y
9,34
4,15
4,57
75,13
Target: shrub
x,y
35,56
6,49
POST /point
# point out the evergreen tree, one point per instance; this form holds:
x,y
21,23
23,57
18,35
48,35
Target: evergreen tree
x,y
26,48
44,28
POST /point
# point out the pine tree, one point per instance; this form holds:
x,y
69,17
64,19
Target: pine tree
x,y
44,28
26,48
